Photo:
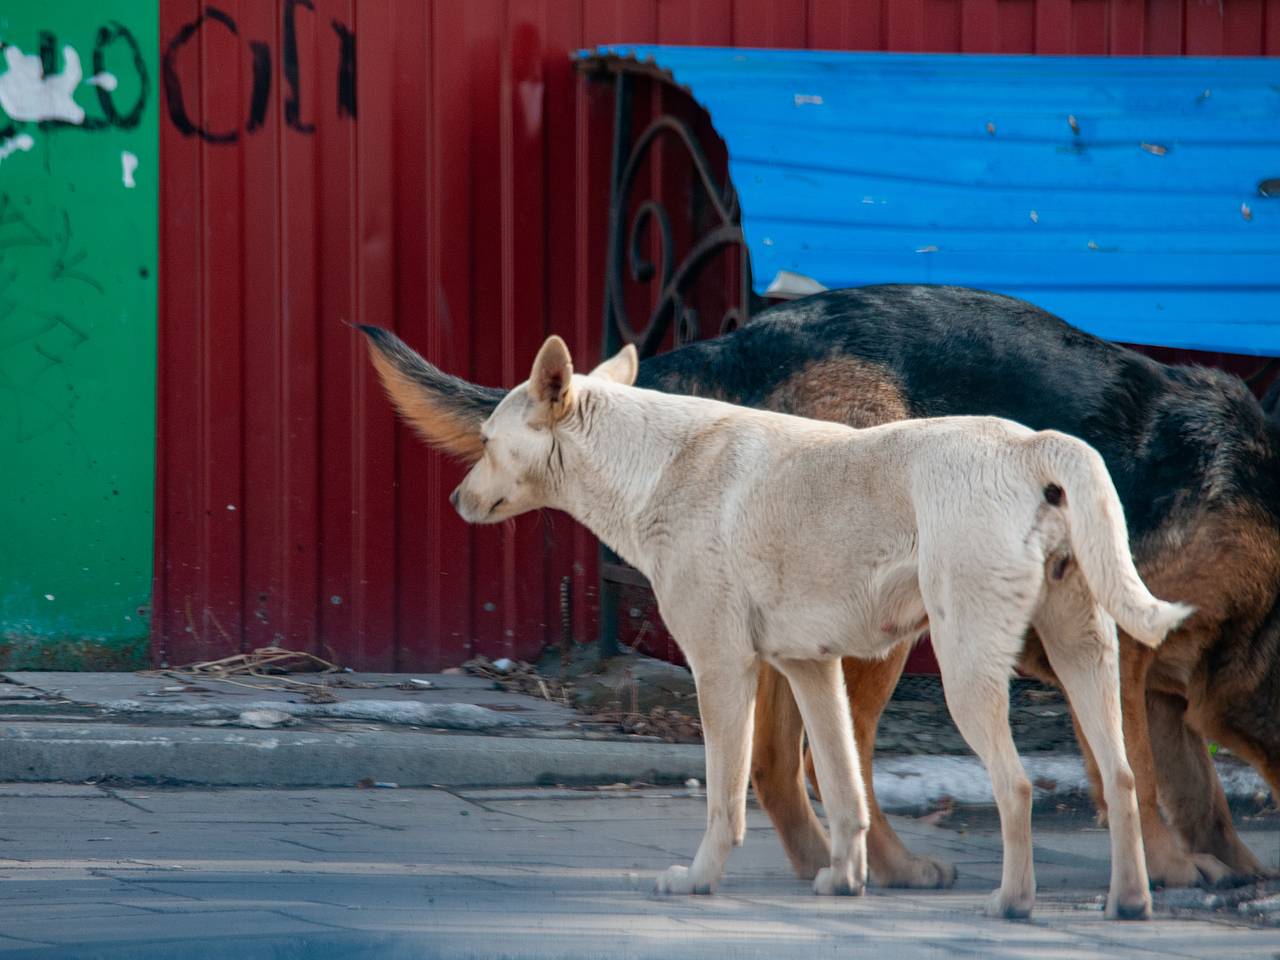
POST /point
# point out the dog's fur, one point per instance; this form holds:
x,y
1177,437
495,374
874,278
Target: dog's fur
x,y
1196,462
796,542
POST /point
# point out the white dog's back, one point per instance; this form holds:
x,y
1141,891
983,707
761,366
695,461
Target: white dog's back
x,y
822,526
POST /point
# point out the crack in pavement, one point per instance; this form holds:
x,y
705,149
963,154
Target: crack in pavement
x,y
125,800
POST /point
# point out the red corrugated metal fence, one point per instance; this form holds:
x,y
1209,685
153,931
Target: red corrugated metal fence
x,y
438,168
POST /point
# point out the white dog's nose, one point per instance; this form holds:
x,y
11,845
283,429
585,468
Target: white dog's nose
x,y
453,497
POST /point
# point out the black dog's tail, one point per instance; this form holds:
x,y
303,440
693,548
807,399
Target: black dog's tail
x,y
444,409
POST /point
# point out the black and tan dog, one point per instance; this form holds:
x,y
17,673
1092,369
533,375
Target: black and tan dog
x,y
1194,457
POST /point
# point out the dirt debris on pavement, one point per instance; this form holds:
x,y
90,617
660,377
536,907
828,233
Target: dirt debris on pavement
x,y
658,722
646,697
1255,903
520,677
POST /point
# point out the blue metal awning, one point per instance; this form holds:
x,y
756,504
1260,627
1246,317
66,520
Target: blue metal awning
x,y
1127,195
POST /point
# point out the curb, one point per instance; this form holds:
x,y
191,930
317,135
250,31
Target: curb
x,y
45,752
281,758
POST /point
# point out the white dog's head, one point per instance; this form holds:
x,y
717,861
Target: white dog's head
x,y
522,462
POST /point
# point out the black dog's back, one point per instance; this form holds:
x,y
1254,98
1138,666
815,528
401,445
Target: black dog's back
x,y
1170,435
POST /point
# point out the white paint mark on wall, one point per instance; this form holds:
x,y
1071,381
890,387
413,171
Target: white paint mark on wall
x,y
107,81
13,144
28,95
129,163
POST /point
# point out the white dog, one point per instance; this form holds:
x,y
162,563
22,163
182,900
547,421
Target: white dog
x,y
800,542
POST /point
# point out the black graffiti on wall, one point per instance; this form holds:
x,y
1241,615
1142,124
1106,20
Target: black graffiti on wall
x,y
109,34
261,59
38,340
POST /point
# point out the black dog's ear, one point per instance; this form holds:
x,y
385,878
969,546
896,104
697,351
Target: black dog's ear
x,y
551,381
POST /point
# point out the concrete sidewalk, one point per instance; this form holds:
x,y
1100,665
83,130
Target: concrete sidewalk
x,y
409,730
141,873
115,752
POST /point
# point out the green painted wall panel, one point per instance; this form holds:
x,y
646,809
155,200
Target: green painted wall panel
x,y
78,216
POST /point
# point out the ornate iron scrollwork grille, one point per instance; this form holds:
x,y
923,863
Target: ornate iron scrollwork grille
x,y
625,261
712,207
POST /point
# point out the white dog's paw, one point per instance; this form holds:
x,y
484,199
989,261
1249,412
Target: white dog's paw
x,y
1009,907
826,884
678,880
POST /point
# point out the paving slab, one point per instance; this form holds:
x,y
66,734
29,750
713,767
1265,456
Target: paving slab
x,y
528,874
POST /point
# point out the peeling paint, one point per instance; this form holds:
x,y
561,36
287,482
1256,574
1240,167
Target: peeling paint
x,y
26,652
22,142
28,94
128,164
104,80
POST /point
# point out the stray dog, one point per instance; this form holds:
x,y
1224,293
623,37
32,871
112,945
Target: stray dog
x,y
796,542
1194,457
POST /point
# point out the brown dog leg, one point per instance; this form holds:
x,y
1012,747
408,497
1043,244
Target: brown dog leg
x,y
1168,864
869,685
1192,795
777,775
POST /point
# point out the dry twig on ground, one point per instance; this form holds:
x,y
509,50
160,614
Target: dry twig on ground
x,y
264,669
521,677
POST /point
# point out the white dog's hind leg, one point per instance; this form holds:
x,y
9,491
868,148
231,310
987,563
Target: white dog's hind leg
x,y
1080,640
819,690
976,667
726,702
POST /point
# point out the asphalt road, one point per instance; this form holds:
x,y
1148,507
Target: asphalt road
x,y
389,873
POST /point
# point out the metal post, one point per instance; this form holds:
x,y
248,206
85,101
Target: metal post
x,y
610,595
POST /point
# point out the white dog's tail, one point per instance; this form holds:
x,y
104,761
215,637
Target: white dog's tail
x,y
1077,482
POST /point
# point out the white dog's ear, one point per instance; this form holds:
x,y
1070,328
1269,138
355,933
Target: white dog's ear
x,y
621,368
551,382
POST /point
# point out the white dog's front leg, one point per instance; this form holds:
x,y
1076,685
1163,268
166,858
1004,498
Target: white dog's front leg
x,y
726,701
